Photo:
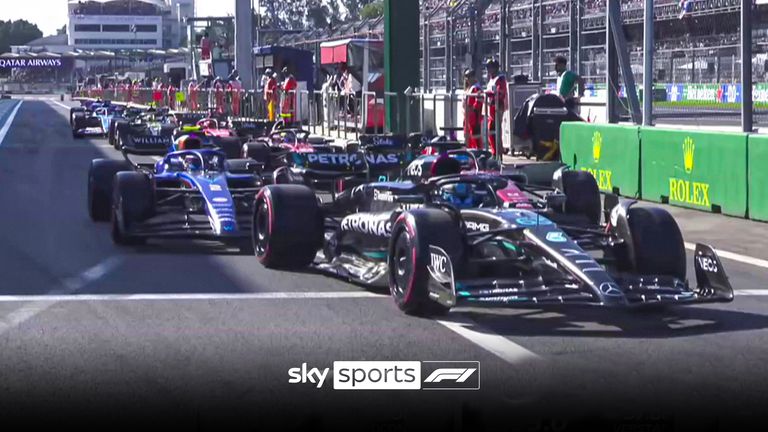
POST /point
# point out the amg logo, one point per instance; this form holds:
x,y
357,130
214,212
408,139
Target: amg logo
x,y
367,224
707,264
689,192
385,196
475,226
438,262
150,140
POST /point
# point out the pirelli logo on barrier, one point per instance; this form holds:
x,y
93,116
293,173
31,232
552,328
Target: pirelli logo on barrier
x,y
602,176
688,191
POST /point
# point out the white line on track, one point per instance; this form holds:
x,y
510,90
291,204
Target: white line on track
x,y
9,122
751,292
69,286
60,104
485,338
57,297
735,257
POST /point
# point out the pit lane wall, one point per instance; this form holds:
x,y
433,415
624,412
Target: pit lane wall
x,y
709,171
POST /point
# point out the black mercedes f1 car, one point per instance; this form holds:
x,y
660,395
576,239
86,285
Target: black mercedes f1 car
x,y
454,240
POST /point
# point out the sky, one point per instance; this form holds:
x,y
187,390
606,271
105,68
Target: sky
x,y
51,15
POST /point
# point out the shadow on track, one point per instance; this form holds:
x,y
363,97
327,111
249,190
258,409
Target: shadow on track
x,y
671,322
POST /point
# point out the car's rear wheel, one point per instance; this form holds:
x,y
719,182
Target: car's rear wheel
x,y
101,175
409,257
132,203
287,226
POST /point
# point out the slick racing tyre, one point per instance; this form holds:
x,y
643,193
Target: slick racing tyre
x,y
287,226
121,129
101,175
72,112
132,203
409,256
78,122
114,124
654,243
582,195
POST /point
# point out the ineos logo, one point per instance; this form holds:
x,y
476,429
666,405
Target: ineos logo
x,y
707,264
439,262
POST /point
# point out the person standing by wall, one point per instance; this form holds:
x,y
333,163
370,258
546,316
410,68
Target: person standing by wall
x,y
288,107
496,92
270,94
567,83
473,110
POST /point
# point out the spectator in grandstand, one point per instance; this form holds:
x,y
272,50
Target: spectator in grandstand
x,y
473,110
567,82
496,92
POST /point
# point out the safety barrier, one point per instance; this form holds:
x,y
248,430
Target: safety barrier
x,y
610,152
757,177
701,170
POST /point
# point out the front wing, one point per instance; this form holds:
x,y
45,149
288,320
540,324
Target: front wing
x,y
712,286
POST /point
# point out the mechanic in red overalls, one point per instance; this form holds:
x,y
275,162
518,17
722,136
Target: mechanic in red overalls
x,y
473,110
496,90
234,88
192,95
270,94
219,89
171,95
288,107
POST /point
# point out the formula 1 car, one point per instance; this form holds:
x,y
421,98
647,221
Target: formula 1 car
x,y
92,119
454,240
214,133
123,114
151,128
195,192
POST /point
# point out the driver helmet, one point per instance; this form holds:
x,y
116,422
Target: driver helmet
x,y
460,195
193,163
189,142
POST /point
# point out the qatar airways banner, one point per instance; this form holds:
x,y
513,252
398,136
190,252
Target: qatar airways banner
x,y
30,63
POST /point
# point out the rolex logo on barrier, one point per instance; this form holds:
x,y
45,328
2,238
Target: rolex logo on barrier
x,y
686,190
597,146
688,150
604,177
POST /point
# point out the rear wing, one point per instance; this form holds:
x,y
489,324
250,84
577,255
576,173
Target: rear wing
x,y
147,145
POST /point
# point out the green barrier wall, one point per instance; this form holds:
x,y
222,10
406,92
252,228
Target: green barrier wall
x,y
610,152
701,170
757,148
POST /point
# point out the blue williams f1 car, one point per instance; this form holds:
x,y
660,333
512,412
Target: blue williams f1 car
x,y
93,118
193,192
436,248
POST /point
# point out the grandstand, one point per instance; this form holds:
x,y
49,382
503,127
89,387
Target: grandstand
x,y
700,47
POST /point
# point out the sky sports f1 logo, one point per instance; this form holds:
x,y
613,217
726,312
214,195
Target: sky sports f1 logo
x,y
392,375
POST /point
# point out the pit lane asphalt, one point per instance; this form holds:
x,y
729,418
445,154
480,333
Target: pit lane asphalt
x,y
223,358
